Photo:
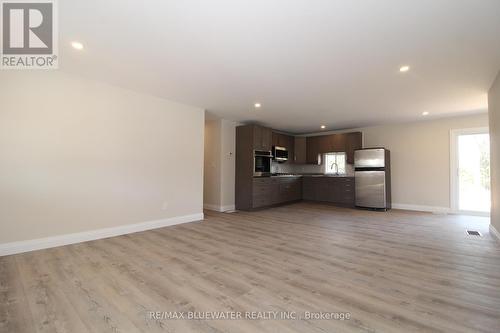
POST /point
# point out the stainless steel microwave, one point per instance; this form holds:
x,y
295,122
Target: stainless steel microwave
x,y
280,154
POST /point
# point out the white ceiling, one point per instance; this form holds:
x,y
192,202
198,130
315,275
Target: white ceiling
x,y
309,62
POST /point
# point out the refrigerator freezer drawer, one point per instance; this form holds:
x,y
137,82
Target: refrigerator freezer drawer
x,y
370,189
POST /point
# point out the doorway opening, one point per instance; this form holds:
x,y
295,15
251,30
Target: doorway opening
x,y
470,171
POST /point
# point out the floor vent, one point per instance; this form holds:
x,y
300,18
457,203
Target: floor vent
x,y
473,233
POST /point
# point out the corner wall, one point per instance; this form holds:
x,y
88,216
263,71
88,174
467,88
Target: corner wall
x,y
79,156
220,146
494,120
212,167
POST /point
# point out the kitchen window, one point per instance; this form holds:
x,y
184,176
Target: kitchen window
x,y
335,163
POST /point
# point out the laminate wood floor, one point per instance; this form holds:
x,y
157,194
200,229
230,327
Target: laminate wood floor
x,y
388,272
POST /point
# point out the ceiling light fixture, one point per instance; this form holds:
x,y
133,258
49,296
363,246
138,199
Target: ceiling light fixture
x,y
323,126
77,45
425,113
257,105
405,68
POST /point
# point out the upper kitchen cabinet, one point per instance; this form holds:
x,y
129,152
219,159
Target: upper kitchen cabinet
x,y
332,143
286,141
353,141
290,146
338,143
300,150
313,150
324,143
276,139
344,142
283,140
262,138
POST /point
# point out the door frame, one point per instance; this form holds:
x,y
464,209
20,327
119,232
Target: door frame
x,y
454,195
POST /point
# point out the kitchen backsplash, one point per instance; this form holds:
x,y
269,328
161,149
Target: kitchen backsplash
x,y
304,168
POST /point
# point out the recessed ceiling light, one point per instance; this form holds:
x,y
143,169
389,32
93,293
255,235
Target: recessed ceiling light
x,y
257,105
425,113
323,126
77,45
403,69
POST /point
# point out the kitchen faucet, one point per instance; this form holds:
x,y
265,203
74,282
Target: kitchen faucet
x,y
336,167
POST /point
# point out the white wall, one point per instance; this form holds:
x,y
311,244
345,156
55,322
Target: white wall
x,y
212,174
420,159
220,145
494,118
79,155
228,164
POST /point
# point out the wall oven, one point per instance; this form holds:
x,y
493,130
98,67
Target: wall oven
x,y
280,154
262,163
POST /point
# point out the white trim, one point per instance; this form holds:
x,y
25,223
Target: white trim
x,y
228,208
421,208
218,208
470,213
454,134
211,207
494,232
48,242
453,168
438,210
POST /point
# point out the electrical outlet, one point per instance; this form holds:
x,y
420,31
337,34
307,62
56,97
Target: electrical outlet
x,y
164,206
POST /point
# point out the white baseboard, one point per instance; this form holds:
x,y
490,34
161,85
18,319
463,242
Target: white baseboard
x,y
470,213
48,242
437,210
421,208
218,208
494,232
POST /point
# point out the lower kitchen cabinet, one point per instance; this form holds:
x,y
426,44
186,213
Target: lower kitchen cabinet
x,y
290,189
310,188
269,191
337,190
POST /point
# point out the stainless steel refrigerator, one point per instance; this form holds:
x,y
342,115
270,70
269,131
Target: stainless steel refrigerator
x,y
373,178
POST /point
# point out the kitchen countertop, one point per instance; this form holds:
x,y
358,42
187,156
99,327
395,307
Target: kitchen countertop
x,y
328,175
306,175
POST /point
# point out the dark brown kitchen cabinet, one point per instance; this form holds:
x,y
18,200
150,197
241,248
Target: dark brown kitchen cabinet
x,y
300,150
344,142
336,190
332,143
338,143
291,149
343,191
286,141
310,188
290,189
269,191
281,140
262,138
276,139
353,141
313,150
324,144
264,192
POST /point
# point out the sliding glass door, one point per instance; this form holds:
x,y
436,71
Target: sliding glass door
x,y
471,168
